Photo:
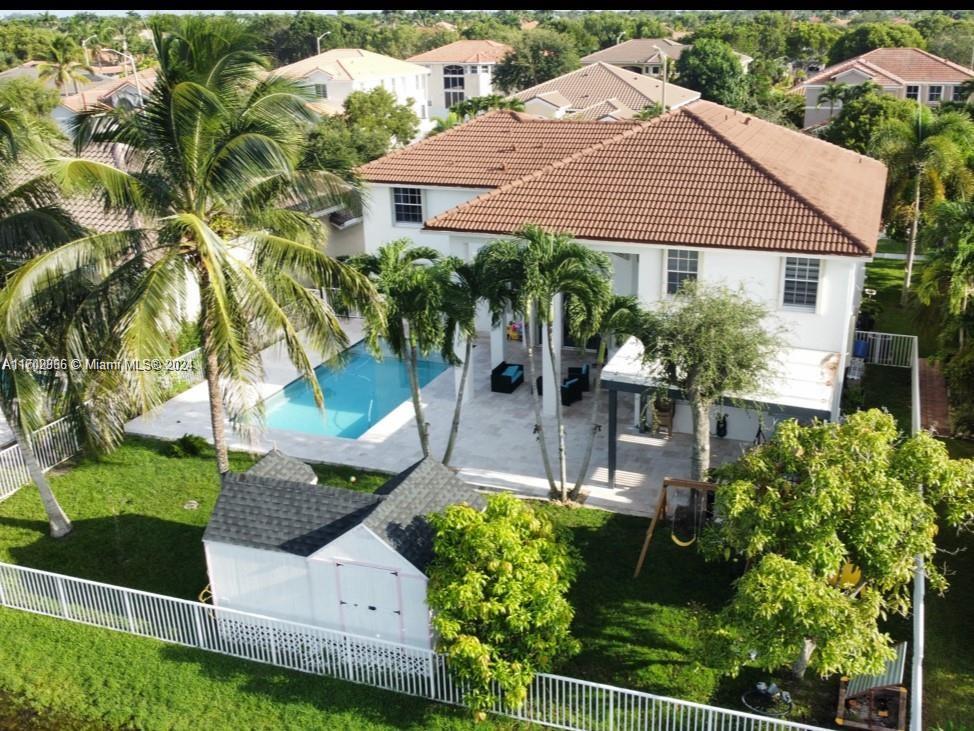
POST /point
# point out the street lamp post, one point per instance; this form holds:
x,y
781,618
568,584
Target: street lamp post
x,y
84,47
126,56
318,40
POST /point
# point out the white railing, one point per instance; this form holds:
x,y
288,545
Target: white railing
x,y
52,444
890,349
916,422
552,700
187,368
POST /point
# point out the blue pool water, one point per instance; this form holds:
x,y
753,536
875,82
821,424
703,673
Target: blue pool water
x,y
358,393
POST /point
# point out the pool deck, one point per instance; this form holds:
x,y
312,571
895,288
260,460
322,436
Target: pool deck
x,y
496,446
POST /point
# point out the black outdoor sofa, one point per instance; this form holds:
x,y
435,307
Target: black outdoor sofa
x,y
506,377
571,390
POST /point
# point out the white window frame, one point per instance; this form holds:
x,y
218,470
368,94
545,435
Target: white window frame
x,y
454,85
395,203
686,255
654,70
818,284
319,88
940,93
915,92
956,94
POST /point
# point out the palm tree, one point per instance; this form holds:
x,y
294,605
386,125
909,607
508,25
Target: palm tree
x,y
215,178
31,220
442,124
411,282
461,296
832,92
926,159
622,316
61,66
947,280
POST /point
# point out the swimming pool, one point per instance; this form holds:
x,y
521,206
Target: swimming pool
x,y
358,394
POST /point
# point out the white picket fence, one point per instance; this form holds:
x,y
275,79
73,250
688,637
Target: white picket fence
x,y
553,700
52,443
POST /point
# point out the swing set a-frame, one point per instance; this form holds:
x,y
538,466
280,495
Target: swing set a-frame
x,y
697,509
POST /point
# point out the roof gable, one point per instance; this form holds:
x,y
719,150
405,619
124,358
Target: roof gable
x,y
464,51
351,64
898,66
637,50
703,175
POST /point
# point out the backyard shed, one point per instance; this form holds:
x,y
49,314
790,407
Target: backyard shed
x,y
280,546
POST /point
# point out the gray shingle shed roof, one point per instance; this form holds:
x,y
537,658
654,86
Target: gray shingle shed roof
x,y
278,465
264,512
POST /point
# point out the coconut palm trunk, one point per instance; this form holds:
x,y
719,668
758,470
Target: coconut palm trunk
x,y
536,401
556,390
596,426
57,519
455,424
421,426
911,251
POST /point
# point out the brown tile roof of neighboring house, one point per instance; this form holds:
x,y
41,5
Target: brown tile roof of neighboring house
x,y
609,108
101,92
642,50
703,175
594,84
487,151
899,66
476,51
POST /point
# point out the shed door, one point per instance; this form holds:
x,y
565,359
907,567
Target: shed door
x,y
370,601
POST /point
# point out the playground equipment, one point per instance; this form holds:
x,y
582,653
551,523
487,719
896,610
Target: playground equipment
x,y
688,519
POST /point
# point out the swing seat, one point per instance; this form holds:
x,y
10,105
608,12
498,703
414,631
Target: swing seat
x,y
683,519
683,544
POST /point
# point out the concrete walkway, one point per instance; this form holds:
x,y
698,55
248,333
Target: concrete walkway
x,y
496,446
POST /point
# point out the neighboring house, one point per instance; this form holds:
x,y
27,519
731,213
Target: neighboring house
x,y
281,546
128,90
28,70
702,192
460,70
335,74
645,55
584,93
906,73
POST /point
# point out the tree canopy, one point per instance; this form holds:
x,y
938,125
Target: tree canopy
x,y
868,36
540,55
856,123
712,68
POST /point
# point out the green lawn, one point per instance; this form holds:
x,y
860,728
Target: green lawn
x,y
891,246
639,633
886,277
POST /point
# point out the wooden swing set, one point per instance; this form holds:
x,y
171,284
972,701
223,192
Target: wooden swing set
x,y
698,503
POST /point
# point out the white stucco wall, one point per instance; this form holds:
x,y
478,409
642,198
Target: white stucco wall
x,y
403,87
479,83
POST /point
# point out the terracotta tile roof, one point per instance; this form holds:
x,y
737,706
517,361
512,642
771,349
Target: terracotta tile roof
x,y
642,50
555,98
899,66
594,84
703,175
488,151
476,51
351,64
609,108
101,92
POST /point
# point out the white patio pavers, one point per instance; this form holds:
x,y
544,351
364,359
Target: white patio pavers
x,y
496,446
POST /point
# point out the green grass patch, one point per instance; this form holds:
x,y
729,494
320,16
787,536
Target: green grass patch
x,y
886,277
891,388
891,246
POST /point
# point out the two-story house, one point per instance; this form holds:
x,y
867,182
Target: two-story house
x,y
645,55
602,92
458,71
335,74
906,73
703,192
128,91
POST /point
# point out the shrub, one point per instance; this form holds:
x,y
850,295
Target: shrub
x,y
188,445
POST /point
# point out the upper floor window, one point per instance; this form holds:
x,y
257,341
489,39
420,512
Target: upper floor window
x,y
801,282
321,91
453,85
654,70
934,93
485,69
681,265
913,92
958,94
407,205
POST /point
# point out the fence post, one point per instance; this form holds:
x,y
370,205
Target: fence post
x,y
128,612
612,710
59,583
3,595
199,627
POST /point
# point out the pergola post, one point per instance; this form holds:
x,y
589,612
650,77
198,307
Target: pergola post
x,y
613,430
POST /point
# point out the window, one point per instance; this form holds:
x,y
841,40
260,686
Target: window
x,y
934,93
681,265
801,282
472,70
453,85
407,205
485,69
321,91
654,70
913,92
958,94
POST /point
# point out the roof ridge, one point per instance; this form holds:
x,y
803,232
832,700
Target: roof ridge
x,y
862,245
632,128
886,72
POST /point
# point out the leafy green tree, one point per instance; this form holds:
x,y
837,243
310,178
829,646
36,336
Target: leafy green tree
x,y
216,172
538,56
712,68
650,111
497,589
621,317
868,36
31,220
709,343
29,96
955,42
928,158
378,110
411,282
473,106
810,42
59,64
807,503
857,121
